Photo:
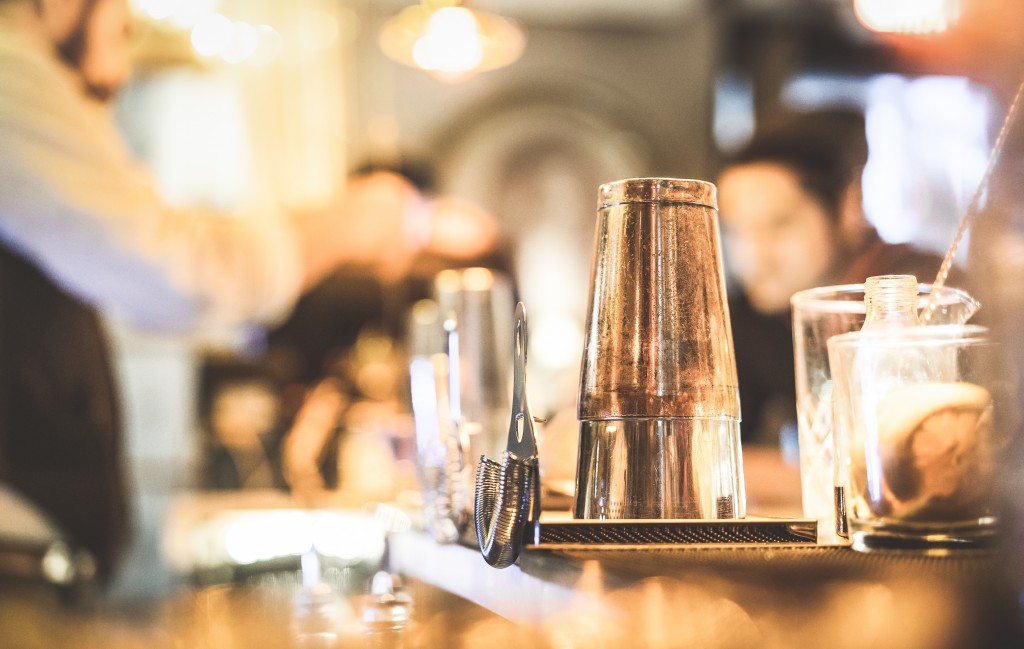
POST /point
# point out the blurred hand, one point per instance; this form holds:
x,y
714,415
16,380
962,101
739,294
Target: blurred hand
x,y
460,229
383,221
304,444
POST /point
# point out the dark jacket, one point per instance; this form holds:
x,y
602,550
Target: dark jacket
x,y
60,429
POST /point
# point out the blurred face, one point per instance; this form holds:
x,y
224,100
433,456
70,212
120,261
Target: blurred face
x,y
778,239
95,41
106,61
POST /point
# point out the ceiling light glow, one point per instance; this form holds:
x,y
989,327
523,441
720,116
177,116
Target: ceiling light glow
x,y
907,16
450,41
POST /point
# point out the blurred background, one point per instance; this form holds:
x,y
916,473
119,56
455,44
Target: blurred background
x,y
241,102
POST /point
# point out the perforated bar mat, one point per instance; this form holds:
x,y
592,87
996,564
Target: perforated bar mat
x,y
622,533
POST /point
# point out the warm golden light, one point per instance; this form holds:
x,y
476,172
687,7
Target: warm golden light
x,y
907,16
235,42
242,44
211,34
450,41
450,45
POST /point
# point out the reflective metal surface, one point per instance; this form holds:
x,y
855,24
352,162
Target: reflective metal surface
x,y
658,401
658,339
660,468
508,493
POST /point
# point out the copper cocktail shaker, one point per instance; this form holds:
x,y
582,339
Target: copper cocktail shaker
x,y
658,404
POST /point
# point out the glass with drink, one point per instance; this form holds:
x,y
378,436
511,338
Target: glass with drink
x,y
916,437
818,314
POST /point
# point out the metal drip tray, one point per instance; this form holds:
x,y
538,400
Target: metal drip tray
x,y
558,533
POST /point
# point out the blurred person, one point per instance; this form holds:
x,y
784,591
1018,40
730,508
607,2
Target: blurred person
x,y
83,231
792,219
339,354
329,316
240,420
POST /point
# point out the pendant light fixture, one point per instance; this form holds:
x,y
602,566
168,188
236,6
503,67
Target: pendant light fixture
x,y
450,41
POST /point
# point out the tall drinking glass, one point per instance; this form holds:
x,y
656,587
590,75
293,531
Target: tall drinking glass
x,y
460,371
444,480
481,300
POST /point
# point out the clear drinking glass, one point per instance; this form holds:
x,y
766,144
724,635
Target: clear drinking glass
x,y
915,436
439,454
460,371
481,300
818,314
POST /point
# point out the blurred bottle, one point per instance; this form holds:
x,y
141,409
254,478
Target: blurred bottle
x,y
890,301
890,305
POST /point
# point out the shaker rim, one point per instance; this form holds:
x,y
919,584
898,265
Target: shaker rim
x,y
669,190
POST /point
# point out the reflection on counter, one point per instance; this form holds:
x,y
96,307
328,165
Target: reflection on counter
x,y
719,599
225,538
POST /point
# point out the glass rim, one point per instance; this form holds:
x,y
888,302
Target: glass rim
x,y
823,298
925,335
